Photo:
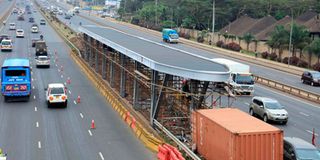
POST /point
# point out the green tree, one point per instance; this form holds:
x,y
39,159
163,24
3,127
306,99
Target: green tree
x,y
279,39
300,38
248,38
314,48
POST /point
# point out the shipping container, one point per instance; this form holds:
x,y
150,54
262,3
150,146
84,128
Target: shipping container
x,y
230,134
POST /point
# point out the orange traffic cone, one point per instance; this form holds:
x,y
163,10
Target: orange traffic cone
x,y
93,125
78,99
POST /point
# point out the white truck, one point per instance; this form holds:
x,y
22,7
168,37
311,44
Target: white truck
x,y
241,80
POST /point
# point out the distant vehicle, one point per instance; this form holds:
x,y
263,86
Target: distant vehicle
x,y
170,36
20,18
6,45
56,93
42,22
4,36
42,61
241,80
268,109
60,12
16,79
76,9
31,20
41,48
33,41
311,77
298,149
67,16
34,29
15,11
12,26
19,33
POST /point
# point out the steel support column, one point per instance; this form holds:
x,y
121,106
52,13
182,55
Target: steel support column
x,y
104,59
194,91
203,93
96,52
122,75
136,90
166,79
91,51
111,78
154,93
86,38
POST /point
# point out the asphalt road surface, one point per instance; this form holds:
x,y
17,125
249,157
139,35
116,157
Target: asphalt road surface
x,y
31,131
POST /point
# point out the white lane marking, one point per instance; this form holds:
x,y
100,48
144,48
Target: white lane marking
x,y
312,133
61,76
34,97
247,104
32,87
90,133
31,72
74,102
291,97
65,83
69,92
101,156
37,124
31,79
35,109
81,115
304,114
39,144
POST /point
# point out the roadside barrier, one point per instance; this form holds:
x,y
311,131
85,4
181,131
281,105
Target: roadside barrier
x,y
168,152
314,97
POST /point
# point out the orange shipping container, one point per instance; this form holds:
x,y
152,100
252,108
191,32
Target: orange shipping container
x,y
230,134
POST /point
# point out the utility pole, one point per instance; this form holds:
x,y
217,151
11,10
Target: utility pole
x,y
290,39
213,18
156,18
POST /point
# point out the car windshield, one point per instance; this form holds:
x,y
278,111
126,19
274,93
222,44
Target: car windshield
x,y
15,73
43,58
174,36
12,24
273,105
5,43
311,154
56,91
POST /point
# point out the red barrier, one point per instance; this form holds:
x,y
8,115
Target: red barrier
x,y
163,153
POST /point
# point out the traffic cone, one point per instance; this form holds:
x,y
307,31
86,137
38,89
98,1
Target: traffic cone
x,y
93,125
68,80
78,99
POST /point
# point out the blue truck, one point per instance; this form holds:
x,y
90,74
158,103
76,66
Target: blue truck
x,y
16,79
170,35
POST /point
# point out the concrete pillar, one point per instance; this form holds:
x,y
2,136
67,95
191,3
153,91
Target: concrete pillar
x,y
91,51
136,90
111,78
104,59
154,94
96,53
122,75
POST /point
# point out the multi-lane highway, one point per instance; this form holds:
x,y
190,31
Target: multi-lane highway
x,y
31,131
302,114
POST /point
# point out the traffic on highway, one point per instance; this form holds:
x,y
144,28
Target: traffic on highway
x,y
80,84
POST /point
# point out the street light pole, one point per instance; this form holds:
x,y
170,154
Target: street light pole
x,y
213,18
156,18
290,39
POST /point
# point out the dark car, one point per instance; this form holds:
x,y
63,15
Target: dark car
x,y
41,48
4,36
297,149
311,77
42,22
31,20
33,41
20,18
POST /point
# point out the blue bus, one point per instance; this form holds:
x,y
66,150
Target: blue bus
x,y
16,79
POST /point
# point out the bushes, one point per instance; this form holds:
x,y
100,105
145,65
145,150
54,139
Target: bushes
x,y
316,67
220,43
302,63
293,60
273,56
265,55
233,46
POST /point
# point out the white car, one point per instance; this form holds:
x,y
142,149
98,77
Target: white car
x,y
56,93
12,26
19,33
42,61
6,45
34,29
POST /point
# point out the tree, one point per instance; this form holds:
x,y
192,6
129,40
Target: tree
x,y
279,39
314,48
248,38
300,38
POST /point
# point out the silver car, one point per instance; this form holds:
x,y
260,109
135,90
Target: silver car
x,y
268,109
42,61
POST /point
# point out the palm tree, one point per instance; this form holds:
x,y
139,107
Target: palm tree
x,y
279,39
248,38
240,39
314,48
300,38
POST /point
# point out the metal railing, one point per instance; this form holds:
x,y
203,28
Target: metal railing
x,y
177,141
311,96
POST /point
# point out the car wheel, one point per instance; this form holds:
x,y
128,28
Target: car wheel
x,y
284,122
251,112
49,105
265,118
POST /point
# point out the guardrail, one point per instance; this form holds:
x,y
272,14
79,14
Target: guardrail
x,y
314,97
177,141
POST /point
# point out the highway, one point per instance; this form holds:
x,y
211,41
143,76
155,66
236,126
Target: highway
x,y
269,73
303,115
31,131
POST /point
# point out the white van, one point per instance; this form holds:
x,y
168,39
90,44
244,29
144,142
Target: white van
x,y
12,26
